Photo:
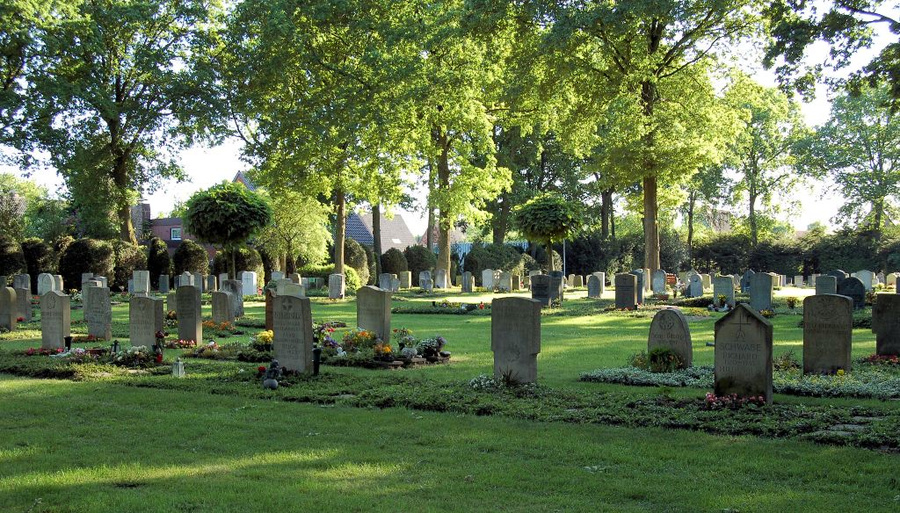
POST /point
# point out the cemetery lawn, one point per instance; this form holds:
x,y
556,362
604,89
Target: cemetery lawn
x,y
424,439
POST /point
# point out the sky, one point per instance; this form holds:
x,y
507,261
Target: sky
x,y
206,166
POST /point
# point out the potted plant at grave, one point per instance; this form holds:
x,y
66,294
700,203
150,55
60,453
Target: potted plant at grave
x,y
430,348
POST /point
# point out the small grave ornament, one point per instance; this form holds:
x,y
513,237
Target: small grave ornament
x,y
178,368
270,381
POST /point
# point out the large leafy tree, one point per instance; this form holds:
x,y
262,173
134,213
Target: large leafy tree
x,y
762,155
227,215
637,79
115,91
847,26
299,227
859,148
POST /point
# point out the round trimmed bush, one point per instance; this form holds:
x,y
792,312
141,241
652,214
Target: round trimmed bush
x,y
355,256
393,262
418,259
11,259
493,256
128,258
351,278
38,259
86,256
190,257
158,261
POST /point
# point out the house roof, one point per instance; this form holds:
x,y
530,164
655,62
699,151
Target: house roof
x,y
394,232
242,178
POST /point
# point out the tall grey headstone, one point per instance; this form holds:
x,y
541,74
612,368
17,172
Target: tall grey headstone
x,y
626,291
58,282
141,282
826,285
22,281
743,354
45,283
639,288
222,307
98,312
222,278
855,290
237,295
516,338
56,319
695,286
336,286
211,284
886,324
723,286
248,282
190,321
867,278
827,333
425,275
706,280
440,279
594,287
504,284
23,300
659,282
200,282
669,329
9,308
373,311
838,274
405,279
146,316
292,326
468,282
762,288
395,283
384,281
745,281
557,290
540,289
487,279
163,283
277,275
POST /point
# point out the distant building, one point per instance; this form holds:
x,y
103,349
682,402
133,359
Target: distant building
x,y
394,232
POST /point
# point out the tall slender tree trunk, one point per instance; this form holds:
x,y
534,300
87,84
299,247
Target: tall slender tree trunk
x,y
605,213
500,223
340,228
692,200
444,220
376,235
651,203
120,179
754,227
429,231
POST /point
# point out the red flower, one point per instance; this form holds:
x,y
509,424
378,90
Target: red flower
x,y
20,319
261,369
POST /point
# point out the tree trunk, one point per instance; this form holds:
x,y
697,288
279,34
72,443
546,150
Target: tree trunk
x,y
444,220
692,200
120,179
651,227
340,229
429,231
500,224
376,234
605,213
754,229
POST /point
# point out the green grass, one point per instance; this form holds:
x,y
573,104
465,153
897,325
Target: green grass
x,y
215,441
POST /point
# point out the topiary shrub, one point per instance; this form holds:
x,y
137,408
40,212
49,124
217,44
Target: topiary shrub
x,y
11,259
158,260
500,257
127,259
419,258
86,256
38,259
355,256
373,270
529,263
190,257
393,262
246,259
351,278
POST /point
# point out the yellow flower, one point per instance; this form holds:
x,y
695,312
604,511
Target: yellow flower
x,y
840,372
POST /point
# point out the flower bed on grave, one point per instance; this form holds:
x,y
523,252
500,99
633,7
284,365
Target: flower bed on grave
x,y
445,307
361,348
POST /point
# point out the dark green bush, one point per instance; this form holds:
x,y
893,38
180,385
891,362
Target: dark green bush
x,y
393,262
351,278
11,259
127,258
245,259
499,257
86,256
418,259
158,261
38,259
355,256
373,271
191,257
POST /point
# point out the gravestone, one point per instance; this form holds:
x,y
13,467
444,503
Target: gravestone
x,y
646,282
526,282
22,281
440,279
695,286
426,284
395,283
578,282
292,326
487,279
45,284
384,281
468,282
141,282
171,303
839,275
237,295
745,281
425,275
281,285
743,353
86,277
222,307
405,279
336,286
706,280
639,288
190,325
762,287
886,324
659,281
516,282
146,316
855,290
516,338
56,319
557,289
163,283
23,302
373,311
879,278
626,291
890,280
798,280
826,285
723,286
295,277
504,284
812,280
131,285
277,275
98,312
58,282
827,333
187,279
867,278
540,289
199,281
595,290
602,277
292,289
305,282
249,285
9,308
212,285
270,302
222,278
669,329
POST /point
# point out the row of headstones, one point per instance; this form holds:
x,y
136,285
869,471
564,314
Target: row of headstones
x,y
868,278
